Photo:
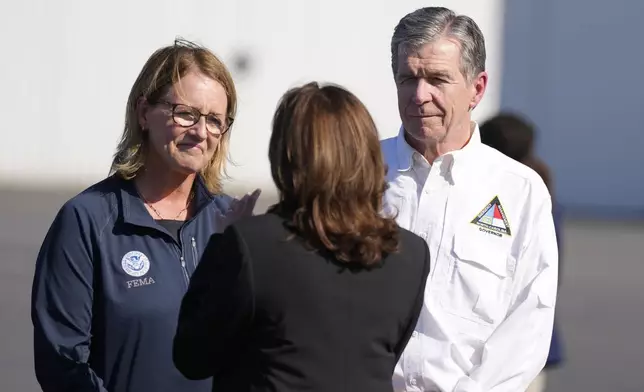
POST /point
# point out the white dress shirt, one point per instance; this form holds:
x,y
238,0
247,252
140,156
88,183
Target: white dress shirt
x,y
489,306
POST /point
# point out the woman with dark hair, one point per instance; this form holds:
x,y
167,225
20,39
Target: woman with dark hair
x,y
323,292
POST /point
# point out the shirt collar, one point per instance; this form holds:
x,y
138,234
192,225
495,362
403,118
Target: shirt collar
x,y
404,151
461,166
455,163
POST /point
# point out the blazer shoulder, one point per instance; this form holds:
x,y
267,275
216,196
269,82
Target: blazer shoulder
x,y
412,246
264,225
409,238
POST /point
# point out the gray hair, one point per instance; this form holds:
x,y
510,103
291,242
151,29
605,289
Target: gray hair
x,y
428,24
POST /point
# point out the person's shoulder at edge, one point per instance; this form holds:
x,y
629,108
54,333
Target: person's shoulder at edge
x,y
388,148
388,142
388,145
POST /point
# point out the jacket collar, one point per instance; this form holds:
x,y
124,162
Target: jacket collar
x,y
132,208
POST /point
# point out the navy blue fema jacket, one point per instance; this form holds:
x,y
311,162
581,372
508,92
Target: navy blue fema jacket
x,y
107,290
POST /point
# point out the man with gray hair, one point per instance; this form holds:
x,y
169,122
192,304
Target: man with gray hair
x,y
489,306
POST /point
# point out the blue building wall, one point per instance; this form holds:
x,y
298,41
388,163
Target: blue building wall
x,y
576,69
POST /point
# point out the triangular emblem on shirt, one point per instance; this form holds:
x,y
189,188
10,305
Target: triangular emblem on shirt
x,y
492,218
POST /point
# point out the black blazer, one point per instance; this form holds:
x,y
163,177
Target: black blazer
x,y
264,313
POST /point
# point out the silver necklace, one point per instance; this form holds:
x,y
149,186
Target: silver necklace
x,y
180,212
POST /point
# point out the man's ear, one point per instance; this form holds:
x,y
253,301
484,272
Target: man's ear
x,y
479,85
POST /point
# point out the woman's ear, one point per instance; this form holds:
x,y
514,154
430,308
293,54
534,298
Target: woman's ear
x,y
142,107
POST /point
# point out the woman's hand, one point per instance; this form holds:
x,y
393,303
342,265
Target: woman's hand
x,y
240,208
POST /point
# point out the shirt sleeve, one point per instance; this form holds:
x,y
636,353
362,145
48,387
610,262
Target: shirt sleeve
x,y
61,305
217,309
517,350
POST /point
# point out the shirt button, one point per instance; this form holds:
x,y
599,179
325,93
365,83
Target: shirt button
x,y
423,235
414,334
413,382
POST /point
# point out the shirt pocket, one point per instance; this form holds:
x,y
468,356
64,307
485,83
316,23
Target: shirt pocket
x,y
479,281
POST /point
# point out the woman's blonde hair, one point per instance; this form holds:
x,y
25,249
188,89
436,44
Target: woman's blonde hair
x,y
164,68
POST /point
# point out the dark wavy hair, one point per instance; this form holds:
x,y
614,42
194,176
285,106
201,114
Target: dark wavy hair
x,y
328,168
514,135
510,133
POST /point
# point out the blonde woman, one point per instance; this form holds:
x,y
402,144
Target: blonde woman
x,y
118,257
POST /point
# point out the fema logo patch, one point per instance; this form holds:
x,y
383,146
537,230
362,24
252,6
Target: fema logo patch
x,y
135,263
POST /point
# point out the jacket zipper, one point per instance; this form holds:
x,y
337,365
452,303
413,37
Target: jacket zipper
x,y
194,252
182,260
185,271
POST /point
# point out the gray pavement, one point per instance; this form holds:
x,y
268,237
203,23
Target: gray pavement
x,y
601,303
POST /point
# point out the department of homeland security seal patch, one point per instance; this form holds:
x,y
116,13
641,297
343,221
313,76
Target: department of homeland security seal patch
x,y
135,263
